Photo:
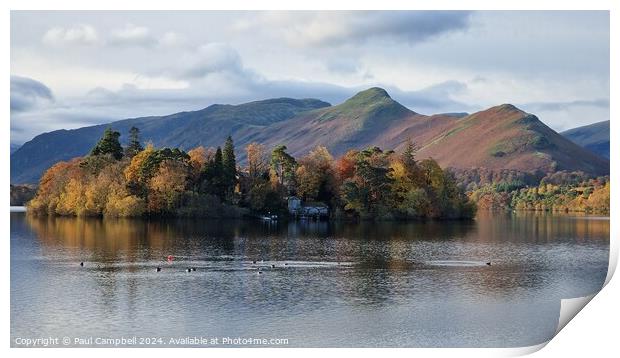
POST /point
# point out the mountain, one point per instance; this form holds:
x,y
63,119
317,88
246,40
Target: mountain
x,y
360,121
501,137
14,147
505,137
594,137
208,127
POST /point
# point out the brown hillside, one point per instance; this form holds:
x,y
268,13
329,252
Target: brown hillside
x,y
501,137
505,137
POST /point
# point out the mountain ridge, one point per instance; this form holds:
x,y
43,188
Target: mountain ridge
x,y
594,137
500,137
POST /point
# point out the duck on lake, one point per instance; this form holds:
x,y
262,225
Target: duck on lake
x,y
82,264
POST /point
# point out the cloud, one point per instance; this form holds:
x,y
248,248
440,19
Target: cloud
x,y
208,59
129,35
141,36
132,35
341,28
564,115
433,99
343,66
83,35
564,106
172,39
27,94
422,58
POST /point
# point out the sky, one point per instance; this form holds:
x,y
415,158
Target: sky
x,y
71,69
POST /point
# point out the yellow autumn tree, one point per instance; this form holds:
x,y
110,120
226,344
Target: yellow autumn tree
x,y
167,186
316,177
197,160
134,172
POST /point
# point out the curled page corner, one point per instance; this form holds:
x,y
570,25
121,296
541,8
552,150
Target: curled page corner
x,y
523,351
569,307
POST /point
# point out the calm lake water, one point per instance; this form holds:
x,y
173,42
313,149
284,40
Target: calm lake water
x,y
334,284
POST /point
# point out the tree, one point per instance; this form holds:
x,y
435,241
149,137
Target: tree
x,y
108,144
229,165
197,161
283,167
369,192
167,187
134,147
52,185
213,176
345,166
135,174
316,178
144,166
257,161
411,168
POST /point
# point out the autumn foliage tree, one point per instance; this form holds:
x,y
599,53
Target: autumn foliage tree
x,y
316,177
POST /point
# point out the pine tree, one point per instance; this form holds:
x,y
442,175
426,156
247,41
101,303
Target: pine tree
x,y
134,146
408,156
283,166
109,144
229,167
214,176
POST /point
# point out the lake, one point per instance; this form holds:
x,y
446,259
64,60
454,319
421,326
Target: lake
x,y
332,285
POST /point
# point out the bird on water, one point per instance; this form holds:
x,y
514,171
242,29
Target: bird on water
x,y
82,264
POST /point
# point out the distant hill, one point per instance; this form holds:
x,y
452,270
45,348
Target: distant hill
x,y
207,127
594,137
501,137
505,137
14,147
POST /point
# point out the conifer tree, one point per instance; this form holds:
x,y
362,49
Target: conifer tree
x,y
229,165
109,144
134,146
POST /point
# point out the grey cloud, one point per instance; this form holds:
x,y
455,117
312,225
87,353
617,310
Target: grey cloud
x,y
414,27
563,106
520,51
343,66
342,27
205,60
27,94
435,99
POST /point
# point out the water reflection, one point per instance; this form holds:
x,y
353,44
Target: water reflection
x,y
333,284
